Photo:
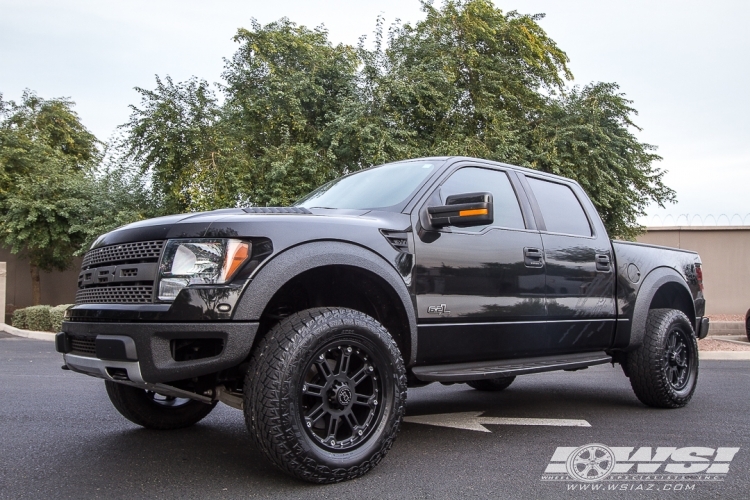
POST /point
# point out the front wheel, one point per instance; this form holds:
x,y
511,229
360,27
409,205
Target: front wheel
x,y
325,394
154,411
664,369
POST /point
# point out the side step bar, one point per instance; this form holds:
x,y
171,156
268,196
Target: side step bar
x,y
464,372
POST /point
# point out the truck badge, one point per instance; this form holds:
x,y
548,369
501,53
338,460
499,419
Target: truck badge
x,y
441,309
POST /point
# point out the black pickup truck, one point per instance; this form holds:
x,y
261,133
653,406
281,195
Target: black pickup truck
x,y
314,319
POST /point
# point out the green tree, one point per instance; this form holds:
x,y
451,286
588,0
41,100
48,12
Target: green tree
x,y
45,152
469,79
286,85
175,138
586,135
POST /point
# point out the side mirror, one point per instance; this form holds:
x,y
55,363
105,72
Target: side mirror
x,y
462,210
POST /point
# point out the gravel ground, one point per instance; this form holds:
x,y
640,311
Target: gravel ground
x,y
726,317
714,344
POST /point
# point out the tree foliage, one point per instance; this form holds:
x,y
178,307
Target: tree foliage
x,y
469,79
52,200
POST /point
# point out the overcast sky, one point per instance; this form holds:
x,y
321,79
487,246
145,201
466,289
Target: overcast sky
x,y
684,63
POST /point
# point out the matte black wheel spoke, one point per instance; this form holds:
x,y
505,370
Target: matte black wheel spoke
x,y
672,341
315,415
351,420
323,369
312,389
344,363
360,376
362,399
333,426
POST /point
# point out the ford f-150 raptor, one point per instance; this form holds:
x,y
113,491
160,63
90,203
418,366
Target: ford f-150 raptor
x,y
314,319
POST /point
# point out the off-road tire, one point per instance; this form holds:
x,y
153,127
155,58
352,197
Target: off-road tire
x,y
651,372
277,412
152,411
491,384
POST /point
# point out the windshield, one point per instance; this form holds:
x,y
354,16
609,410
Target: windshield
x,y
378,187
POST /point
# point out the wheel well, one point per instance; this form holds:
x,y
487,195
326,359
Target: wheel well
x,y
341,286
673,296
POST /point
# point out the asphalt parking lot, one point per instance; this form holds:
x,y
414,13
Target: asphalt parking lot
x,y
61,438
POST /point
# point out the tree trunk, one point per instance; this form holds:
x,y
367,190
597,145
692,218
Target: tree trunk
x,y
36,286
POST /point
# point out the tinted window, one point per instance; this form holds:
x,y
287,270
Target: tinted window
x,y
377,187
506,213
560,208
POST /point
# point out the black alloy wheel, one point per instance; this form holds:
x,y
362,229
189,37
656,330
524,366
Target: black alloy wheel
x,y
677,359
339,395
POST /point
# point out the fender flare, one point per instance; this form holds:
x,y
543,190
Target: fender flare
x,y
648,289
296,260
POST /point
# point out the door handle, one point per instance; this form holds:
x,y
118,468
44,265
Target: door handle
x,y
532,257
602,262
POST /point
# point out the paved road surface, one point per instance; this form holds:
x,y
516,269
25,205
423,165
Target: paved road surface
x,y
61,438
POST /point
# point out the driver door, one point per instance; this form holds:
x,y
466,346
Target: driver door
x,y
480,290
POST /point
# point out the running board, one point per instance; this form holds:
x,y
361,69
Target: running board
x,y
464,372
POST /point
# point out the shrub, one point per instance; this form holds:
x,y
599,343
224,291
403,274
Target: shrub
x,y
19,318
37,318
56,315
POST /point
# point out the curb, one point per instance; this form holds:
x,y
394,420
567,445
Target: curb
x,y
29,334
724,355
721,328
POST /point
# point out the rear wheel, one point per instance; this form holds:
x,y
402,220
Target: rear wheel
x,y
325,394
664,369
154,411
491,384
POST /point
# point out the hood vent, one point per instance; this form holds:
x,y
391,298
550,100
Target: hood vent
x,y
397,239
277,210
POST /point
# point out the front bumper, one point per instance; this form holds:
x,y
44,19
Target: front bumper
x,y
143,353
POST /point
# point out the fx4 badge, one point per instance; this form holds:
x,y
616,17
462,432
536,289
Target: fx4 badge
x,y
441,309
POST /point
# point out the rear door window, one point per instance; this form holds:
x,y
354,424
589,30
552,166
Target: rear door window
x,y
560,208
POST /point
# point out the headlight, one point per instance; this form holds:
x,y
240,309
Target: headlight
x,y
199,261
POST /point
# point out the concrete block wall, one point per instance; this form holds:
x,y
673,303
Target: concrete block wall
x,y
57,287
725,254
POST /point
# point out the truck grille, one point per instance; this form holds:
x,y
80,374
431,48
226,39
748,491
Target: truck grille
x,y
120,274
142,250
83,346
115,295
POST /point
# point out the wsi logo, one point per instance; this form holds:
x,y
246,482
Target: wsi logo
x,y
441,309
598,462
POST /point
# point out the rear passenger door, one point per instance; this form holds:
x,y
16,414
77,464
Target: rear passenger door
x,y
480,290
580,281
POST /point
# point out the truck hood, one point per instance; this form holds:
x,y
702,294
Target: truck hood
x,y
235,222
